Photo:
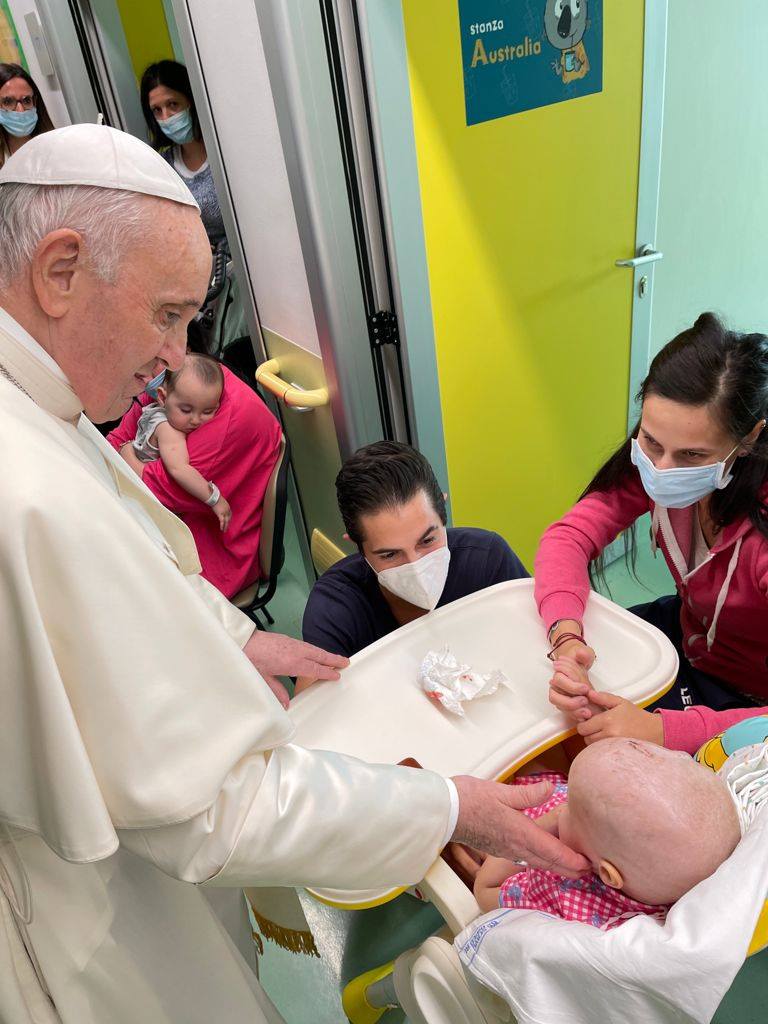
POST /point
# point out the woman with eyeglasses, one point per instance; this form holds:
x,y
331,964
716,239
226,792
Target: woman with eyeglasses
x,y
174,130
22,110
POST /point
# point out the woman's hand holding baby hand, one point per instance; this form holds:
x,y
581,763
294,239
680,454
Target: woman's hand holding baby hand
x,y
600,715
620,717
222,512
569,686
577,650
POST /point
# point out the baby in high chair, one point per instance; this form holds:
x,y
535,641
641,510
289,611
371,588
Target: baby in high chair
x,y
186,400
652,821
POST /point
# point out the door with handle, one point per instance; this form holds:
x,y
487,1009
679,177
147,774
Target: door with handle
x,y
646,254
709,202
524,218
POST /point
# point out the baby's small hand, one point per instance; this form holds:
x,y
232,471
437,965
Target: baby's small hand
x,y
620,717
222,512
568,689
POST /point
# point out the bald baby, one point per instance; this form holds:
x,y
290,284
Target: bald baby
x,y
652,821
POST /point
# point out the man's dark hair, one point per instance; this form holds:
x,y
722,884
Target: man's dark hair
x,y
381,476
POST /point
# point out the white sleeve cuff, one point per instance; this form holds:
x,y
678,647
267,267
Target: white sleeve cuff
x,y
453,813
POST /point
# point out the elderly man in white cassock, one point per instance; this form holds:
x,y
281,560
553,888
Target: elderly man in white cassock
x,y
141,752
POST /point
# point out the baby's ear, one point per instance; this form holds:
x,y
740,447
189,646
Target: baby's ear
x,y
162,394
609,875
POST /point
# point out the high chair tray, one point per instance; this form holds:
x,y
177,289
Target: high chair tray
x,y
379,713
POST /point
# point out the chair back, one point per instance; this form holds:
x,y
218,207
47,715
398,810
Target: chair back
x,y
271,551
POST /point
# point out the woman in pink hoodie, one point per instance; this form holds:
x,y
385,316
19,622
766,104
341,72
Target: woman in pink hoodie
x,y
698,462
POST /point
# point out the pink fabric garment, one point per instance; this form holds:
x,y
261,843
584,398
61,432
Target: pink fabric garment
x,y
584,899
688,730
238,450
725,602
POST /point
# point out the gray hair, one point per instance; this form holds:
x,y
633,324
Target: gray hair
x,y
109,220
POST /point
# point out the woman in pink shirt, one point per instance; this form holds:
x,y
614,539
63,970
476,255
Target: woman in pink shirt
x,y
698,462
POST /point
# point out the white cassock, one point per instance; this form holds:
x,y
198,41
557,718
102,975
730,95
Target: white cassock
x,y
140,752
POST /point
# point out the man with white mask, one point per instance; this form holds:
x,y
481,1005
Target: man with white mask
x,y
408,562
141,751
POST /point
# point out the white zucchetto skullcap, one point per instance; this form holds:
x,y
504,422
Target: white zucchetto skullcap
x,y
93,154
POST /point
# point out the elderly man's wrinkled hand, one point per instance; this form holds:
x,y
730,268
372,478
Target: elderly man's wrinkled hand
x,y
490,819
276,655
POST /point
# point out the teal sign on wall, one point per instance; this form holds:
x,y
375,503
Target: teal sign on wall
x,y
522,54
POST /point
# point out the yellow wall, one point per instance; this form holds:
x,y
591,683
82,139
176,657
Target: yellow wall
x,y
146,32
524,217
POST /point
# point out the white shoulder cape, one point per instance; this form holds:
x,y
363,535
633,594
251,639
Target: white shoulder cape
x,y
102,726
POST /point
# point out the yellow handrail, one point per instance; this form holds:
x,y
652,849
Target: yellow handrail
x,y
268,375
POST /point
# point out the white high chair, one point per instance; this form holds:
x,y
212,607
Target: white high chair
x,y
379,713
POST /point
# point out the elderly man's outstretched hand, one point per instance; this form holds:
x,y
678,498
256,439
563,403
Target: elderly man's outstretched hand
x,y
276,655
490,820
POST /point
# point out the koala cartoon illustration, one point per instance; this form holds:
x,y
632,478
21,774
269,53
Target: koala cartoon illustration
x,y
565,22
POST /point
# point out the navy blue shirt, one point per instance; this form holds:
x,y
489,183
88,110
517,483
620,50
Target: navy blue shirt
x,y
347,611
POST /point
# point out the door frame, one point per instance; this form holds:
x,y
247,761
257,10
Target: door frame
x,y
182,34
385,56
652,121
90,55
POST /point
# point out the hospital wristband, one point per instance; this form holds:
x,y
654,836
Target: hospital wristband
x,y
214,496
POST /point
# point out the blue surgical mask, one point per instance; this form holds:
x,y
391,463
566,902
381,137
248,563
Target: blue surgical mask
x,y
679,488
178,127
154,384
19,123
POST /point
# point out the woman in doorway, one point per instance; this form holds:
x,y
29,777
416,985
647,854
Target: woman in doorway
x,y
698,462
22,110
174,130
407,562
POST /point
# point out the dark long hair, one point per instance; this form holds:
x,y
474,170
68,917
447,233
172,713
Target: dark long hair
x,y
728,371
174,76
44,123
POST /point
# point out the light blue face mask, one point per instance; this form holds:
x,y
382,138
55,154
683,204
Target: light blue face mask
x,y
19,123
178,127
679,488
154,384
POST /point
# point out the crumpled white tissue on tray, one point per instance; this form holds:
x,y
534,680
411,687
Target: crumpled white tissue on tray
x,y
450,683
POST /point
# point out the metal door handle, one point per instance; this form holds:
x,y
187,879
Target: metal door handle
x,y
291,394
647,254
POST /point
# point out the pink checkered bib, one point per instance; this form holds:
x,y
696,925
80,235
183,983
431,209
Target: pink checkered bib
x,y
584,899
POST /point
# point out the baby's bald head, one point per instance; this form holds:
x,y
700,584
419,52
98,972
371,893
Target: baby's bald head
x,y
662,820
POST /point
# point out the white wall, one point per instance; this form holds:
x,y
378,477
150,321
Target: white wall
x,y
713,202
48,86
246,123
